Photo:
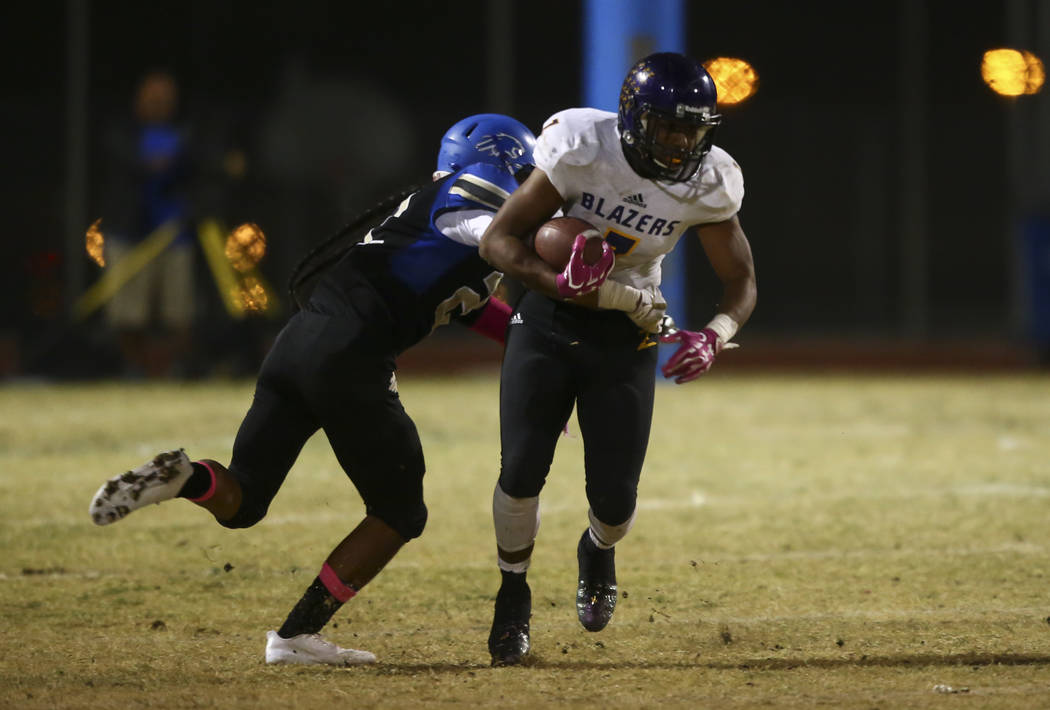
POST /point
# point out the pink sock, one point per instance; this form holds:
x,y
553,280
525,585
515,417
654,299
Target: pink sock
x,y
335,586
211,489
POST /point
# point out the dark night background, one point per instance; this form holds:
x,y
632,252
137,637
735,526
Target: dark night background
x,y
336,105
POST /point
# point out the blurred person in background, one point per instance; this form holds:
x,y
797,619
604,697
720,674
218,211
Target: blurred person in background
x,y
643,177
328,142
332,368
147,179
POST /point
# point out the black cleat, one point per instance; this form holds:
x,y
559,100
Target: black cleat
x,y
596,591
509,637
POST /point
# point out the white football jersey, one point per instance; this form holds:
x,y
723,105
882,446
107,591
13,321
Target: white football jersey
x,y
579,150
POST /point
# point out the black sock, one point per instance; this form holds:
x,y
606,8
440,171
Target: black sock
x,y
596,563
198,483
512,586
311,612
514,599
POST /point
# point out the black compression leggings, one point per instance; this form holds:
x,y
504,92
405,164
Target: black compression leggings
x,y
560,355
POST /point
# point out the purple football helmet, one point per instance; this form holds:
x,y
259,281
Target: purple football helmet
x,y
487,138
667,116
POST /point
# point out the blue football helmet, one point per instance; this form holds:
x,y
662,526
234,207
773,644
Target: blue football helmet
x,y
487,138
667,116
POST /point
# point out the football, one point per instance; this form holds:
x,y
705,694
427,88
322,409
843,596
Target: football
x,y
553,241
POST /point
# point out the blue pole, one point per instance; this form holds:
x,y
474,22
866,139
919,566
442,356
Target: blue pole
x,y
606,51
617,33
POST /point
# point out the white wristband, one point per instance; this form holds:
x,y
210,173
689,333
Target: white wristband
x,y
613,295
725,326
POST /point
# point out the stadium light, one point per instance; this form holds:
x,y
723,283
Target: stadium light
x,y
252,295
95,242
1012,72
246,246
735,79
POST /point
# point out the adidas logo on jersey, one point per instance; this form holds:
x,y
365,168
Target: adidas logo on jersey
x,y
637,200
516,319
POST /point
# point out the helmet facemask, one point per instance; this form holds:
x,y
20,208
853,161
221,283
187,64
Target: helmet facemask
x,y
670,147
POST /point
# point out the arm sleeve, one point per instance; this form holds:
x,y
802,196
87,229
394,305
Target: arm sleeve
x,y
464,226
471,199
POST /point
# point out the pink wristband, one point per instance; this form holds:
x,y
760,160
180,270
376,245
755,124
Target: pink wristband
x,y
492,323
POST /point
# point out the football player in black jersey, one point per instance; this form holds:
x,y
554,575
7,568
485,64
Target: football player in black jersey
x,y
643,177
332,368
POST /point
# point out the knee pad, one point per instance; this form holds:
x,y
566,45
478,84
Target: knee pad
x,y
397,499
604,535
522,479
517,520
408,521
613,501
244,518
254,504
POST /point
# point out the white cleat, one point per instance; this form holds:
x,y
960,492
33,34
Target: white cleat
x,y
311,649
152,482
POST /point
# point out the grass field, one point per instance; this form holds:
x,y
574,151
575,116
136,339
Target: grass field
x,y
843,542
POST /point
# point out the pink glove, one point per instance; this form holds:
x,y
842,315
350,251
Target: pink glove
x,y
580,277
694,356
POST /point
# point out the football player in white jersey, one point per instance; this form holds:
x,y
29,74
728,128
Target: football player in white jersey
x,y
644,177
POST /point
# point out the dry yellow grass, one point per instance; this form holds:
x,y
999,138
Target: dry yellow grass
x,y
801,542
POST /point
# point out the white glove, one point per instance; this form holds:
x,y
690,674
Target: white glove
x,y
645,307
650,309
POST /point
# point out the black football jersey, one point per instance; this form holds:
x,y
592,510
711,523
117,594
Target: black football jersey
x,y
425,276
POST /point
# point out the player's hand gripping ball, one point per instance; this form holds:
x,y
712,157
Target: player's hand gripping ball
x,y
554,239
574,247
